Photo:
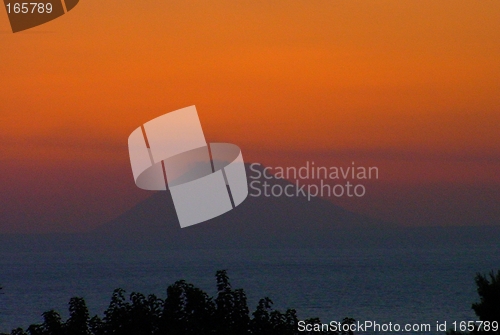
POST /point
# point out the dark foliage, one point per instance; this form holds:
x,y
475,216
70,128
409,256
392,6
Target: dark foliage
x,y
187,310
488,307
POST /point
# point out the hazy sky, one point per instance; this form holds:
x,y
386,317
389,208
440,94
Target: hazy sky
x,y
412,87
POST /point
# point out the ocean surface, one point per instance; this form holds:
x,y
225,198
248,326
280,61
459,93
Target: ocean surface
x,y
398,285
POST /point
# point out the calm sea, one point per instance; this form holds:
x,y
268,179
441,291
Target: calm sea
x,y
398,285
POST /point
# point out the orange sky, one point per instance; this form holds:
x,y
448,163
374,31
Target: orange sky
x,y
411,86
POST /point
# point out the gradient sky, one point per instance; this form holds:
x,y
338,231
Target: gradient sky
x,y
412,87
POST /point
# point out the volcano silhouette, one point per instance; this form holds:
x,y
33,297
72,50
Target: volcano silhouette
x,y
258,221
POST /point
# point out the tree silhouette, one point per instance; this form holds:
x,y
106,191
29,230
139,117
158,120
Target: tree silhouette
x,y
52,325
488,307
78,322
187,310
231,315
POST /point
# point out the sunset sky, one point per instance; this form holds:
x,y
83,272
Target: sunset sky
x,y
412,87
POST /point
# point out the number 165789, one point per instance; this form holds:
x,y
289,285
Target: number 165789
x,y
29,7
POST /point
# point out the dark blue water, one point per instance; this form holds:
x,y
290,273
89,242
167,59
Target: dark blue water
x,y
382,284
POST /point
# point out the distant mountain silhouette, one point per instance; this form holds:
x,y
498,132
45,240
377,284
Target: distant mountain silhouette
x,y
258,221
